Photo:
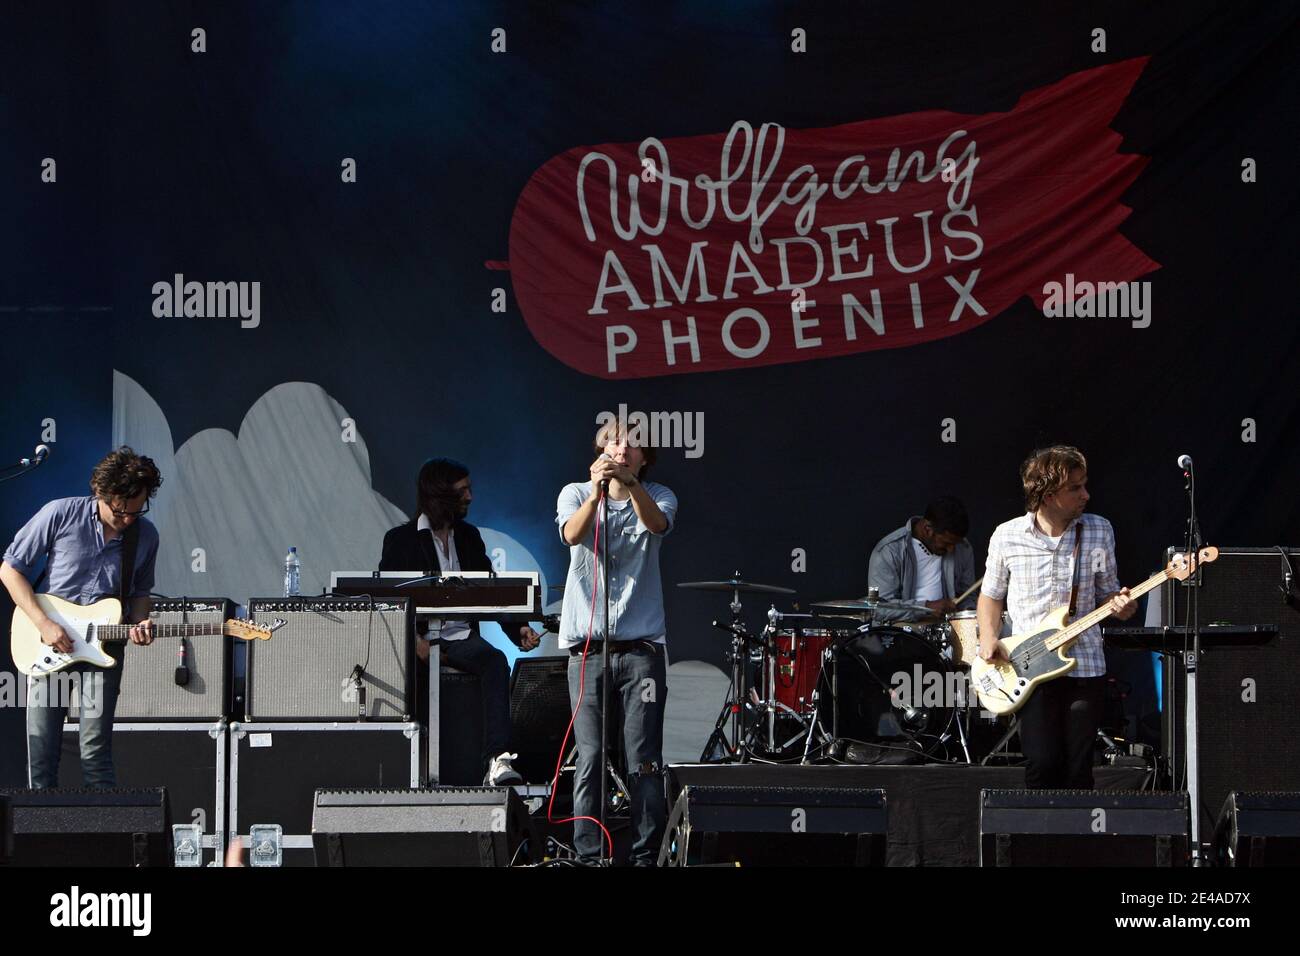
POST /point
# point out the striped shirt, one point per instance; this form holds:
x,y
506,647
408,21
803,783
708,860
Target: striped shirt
x,y
1034,575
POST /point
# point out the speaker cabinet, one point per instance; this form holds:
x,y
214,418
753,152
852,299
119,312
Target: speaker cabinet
x,y
447,826
84,828
310,669
1258,829
539,715
1083,828
1249,725
150,691
775,826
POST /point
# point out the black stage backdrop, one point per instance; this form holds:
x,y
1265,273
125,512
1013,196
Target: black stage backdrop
x,y
375,342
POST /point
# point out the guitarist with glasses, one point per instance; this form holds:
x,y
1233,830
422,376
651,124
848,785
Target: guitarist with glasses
x,y
86,544
1053,556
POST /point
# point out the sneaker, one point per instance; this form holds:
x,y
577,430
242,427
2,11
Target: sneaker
x,y
501,774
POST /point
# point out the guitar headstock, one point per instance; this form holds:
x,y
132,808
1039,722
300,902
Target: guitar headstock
x,y
252,630
1184,565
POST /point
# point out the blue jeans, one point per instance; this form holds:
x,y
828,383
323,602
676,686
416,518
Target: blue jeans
x,y
47,705
637,693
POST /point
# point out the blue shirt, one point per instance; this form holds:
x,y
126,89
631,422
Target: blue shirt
x,y
636,594
82,567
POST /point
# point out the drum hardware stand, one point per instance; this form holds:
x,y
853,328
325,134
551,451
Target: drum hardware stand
x,y
733,708
1006,739
831,654
963,717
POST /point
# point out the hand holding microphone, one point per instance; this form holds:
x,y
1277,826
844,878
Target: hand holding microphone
x,y
605,468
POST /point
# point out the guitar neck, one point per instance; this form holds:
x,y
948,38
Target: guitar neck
x,y
1097,615
108,633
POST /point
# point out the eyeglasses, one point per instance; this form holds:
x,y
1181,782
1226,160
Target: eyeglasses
x,y
128,514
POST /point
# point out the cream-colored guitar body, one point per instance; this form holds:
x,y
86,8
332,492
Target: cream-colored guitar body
x,y
35,658
1040,656
1004,687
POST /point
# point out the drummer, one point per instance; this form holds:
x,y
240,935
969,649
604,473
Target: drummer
x,y
926,561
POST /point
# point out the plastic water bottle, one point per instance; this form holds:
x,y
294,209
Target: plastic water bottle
x,y
292,573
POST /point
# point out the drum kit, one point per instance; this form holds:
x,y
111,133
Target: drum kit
x,y
847,682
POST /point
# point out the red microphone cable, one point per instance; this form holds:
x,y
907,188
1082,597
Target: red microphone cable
x,y
582,687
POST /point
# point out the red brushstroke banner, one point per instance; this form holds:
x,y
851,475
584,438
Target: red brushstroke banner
x,y
765,245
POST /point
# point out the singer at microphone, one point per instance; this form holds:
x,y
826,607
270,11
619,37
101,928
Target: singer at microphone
x,y
639,514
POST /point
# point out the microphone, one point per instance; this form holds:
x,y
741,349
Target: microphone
x,y
182,675
1185,462
911,715
360,686
42,452
604,483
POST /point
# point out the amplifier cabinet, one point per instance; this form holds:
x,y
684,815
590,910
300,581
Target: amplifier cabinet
x,y
1248,724
189,760
276,769
150,691
334,659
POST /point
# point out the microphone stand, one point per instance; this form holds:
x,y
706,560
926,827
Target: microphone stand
x,y
1191,763
22,467
604,677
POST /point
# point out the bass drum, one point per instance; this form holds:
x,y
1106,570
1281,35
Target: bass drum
x,y
895,689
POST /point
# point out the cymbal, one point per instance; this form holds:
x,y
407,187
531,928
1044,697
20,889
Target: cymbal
x,y
735,584
868,606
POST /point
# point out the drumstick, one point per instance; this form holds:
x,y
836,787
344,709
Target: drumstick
x,y
969,591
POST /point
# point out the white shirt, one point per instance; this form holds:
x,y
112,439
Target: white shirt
x,y
449,561
1035,573
929,574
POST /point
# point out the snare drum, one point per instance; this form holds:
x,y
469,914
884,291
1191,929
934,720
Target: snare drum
x,y
796,662
963,633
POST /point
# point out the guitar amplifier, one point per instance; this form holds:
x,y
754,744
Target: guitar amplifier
x,y
334,659
1248,723
1083,828
150,691
448,826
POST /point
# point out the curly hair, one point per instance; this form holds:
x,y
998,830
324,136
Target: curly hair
x,y
1047,470
122,475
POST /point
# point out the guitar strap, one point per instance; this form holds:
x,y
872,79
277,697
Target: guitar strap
x,y
1074,588
130,538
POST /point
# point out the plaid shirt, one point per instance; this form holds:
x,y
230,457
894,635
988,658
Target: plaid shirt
x,y
1035,577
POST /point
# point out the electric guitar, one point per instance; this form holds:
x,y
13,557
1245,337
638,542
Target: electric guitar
x,y
1004,686
90,626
